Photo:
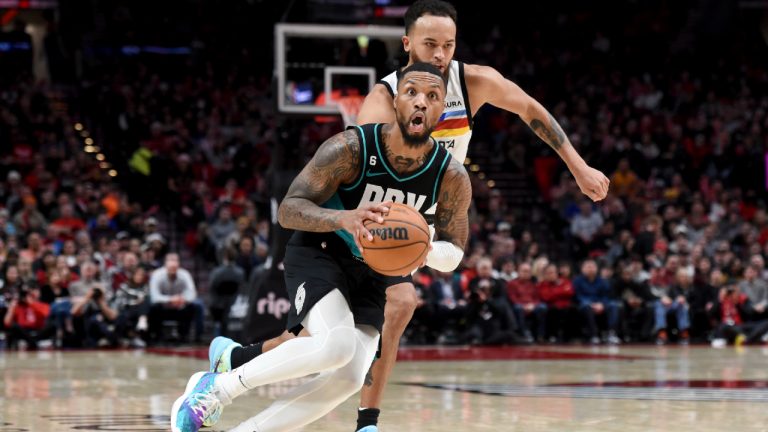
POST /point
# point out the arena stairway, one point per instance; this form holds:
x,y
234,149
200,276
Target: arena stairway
x,y
523,199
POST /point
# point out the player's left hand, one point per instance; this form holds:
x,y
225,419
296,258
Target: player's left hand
x,y
592,183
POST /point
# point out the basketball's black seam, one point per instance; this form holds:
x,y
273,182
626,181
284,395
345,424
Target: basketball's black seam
x,y
407,210
395,247
426,248
406,266
393,269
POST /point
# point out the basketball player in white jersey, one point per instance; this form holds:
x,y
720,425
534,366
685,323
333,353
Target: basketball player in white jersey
x,y
430,36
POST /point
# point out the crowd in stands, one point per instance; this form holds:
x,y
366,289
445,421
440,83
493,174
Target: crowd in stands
x,y
675,254
80,264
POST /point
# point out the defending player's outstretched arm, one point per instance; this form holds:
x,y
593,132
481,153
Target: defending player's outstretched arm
x,y
487,85
451,219
336,162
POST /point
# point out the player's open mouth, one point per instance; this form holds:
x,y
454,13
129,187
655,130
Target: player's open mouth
x,y
416,125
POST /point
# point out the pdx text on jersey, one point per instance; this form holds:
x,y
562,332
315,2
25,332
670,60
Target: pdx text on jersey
x,y
374,194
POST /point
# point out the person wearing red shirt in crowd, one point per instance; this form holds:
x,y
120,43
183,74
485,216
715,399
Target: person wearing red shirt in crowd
x,y
43,267
760,221
26,319
666,276
65,271
698,150
68,223
526,303
121,274
732,326
557,294
233,197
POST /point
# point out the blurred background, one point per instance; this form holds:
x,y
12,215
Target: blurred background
x,y
141,144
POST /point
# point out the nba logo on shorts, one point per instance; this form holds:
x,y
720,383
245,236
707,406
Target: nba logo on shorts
x,y
301,293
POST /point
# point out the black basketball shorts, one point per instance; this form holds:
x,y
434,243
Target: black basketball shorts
x,y
311,272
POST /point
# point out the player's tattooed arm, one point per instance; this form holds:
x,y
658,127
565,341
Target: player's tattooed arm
x,y
549,130
487,85
452,214
336,162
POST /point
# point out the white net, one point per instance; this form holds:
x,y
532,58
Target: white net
x,y
301,48
349,106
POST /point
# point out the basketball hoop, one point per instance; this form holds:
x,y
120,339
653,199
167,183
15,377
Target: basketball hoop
x,y
349,106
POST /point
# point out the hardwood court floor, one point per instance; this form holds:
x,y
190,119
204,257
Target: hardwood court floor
x,y
626,389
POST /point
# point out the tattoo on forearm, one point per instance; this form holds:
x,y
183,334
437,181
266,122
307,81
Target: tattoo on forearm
x,y
336,162
552,134
452,215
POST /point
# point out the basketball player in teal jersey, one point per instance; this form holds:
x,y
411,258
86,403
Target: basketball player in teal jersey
x,y
430,27
334,295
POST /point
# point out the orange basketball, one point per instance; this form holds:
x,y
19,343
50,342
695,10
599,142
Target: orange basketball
x,y
400,244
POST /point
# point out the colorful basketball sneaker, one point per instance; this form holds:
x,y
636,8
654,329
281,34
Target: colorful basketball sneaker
x,y
219,353
198,406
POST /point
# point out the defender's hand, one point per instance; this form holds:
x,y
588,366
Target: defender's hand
x,y
592,183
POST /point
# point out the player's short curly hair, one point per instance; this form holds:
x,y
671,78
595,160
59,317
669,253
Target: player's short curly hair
x,y
428,7
421,67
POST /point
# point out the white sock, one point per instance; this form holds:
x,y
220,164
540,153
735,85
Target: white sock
x,y
331,345
312,400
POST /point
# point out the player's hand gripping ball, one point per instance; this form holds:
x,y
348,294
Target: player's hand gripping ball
x,y
400,243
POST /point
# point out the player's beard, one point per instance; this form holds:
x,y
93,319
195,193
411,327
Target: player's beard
x,y
410,139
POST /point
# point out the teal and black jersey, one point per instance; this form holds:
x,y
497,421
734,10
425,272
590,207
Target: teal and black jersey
x,y
379,182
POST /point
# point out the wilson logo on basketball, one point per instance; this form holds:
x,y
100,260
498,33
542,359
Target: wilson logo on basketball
x,y
390,233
